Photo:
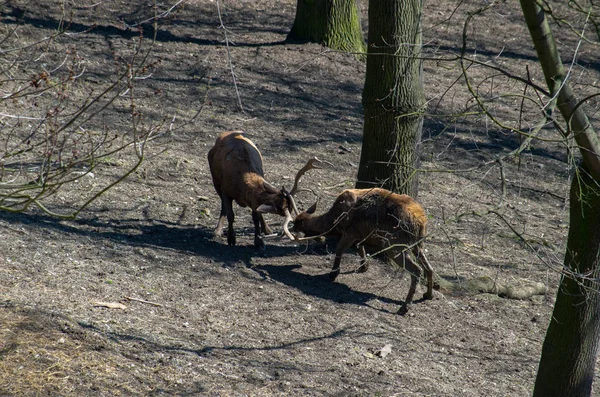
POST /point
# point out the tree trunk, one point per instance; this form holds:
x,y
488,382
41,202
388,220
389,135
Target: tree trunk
x,y
572,340
393,97
333,23
571,345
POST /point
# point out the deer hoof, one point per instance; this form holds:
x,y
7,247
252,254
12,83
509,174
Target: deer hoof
x,y
259,243
403,309
231,240
333,275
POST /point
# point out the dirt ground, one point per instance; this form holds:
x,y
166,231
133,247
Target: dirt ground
x,y
202,318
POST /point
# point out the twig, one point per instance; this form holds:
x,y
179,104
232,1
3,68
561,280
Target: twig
x,y
222,26
15,230
130,298
157,16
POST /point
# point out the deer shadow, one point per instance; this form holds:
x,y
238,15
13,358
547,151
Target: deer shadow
x,y
320,286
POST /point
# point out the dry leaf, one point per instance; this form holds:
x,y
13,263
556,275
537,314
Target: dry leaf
x,y
385,350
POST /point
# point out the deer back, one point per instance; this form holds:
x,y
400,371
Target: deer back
x,y
385,218
235,164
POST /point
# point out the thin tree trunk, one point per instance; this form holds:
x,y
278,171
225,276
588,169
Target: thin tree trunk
x,y
571,345
333,23
572,341
393,97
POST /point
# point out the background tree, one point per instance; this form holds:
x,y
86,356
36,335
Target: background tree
x,y
571,345
572,340
333,23
393,97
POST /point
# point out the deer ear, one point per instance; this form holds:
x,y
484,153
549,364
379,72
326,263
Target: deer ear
x,y
312,209
267,208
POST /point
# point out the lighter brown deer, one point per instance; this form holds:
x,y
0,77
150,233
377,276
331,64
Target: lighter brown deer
x,y
388,223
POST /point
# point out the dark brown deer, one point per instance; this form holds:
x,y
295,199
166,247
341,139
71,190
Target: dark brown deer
x,y
389,223
237,172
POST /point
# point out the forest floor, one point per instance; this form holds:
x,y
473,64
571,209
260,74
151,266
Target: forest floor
x,y
200,318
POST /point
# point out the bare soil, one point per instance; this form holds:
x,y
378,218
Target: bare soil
x,y
201,318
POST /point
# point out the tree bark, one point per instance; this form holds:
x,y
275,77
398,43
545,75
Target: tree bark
x,y
571,345
333,23
572,340
393,97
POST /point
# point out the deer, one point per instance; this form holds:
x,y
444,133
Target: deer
x,y
236,168
389,223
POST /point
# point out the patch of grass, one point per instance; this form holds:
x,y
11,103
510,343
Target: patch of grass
x,y
42,355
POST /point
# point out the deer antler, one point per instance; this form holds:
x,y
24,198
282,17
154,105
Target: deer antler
x,y
311,164
286,230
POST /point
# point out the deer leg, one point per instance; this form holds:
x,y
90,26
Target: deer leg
x,y
219,228
343,245
258,225
263,225
415,274
228,203
422,259
364,265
